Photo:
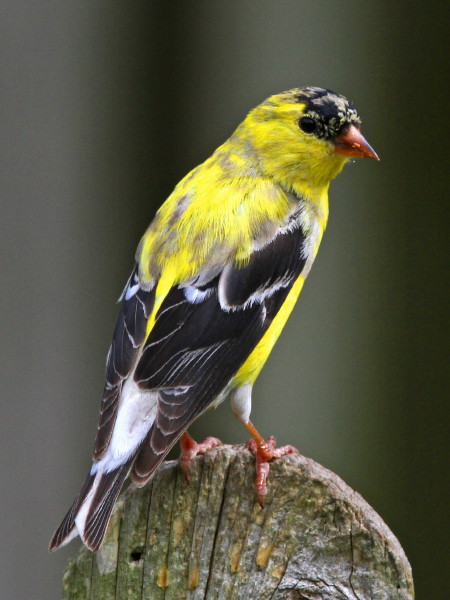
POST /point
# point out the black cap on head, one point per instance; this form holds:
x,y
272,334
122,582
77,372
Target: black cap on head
x,y
332,112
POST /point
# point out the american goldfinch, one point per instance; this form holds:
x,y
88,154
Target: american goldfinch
x,y
216,276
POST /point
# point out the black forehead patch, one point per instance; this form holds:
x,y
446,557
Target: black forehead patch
x,y
332,111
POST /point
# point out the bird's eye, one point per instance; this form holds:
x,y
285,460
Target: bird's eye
x,y
308,124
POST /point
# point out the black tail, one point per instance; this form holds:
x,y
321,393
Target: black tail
x,y
100,509
67,526
104,489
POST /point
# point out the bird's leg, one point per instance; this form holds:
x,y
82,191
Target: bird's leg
x,y
190,448
264,451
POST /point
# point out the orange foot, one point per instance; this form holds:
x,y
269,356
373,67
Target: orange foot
x,y
190,448
265,451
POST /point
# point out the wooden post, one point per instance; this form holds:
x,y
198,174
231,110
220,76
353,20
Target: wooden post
x,y
209,539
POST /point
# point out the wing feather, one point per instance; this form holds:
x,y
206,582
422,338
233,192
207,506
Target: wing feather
x,y
200,340
129,334
274,266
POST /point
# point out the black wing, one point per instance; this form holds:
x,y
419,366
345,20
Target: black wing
x,y
129,334
203,335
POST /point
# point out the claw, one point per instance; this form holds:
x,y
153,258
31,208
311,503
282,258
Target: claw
x,y
190,448
265,451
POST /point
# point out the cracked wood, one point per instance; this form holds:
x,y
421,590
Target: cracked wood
x,y
209,539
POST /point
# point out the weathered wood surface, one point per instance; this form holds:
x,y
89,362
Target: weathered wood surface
x,y
209,539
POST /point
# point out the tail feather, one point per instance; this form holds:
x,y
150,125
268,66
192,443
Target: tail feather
x,y
67,530
90,513
100,509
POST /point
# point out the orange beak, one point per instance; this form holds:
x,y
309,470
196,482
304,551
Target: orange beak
x,y
352,143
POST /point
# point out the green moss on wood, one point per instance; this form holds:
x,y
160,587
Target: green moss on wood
x,y
209,539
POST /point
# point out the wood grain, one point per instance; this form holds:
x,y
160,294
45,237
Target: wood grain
x,y
209,539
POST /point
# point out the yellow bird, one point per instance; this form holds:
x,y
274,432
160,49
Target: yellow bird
x,y
216,277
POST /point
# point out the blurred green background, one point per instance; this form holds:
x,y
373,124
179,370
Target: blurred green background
x,y
104,107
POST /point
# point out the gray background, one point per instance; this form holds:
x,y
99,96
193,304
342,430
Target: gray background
x,y
104,107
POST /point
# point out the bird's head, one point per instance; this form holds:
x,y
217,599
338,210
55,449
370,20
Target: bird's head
x,y
303,137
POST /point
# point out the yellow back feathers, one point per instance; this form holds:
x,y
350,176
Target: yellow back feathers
x,y
248,184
